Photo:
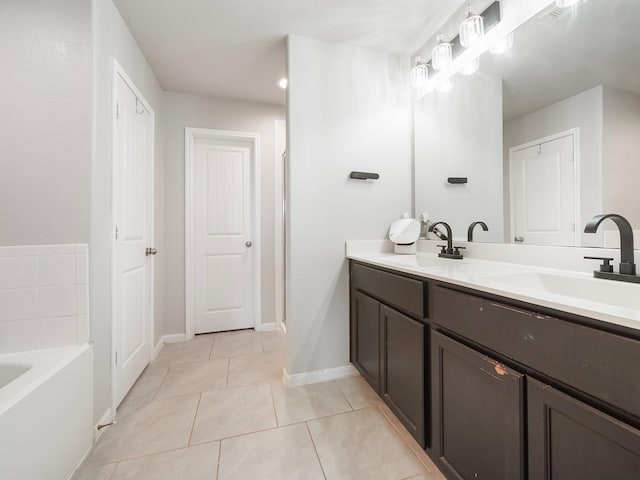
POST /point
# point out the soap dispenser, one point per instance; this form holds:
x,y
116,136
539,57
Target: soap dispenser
x,y
404,234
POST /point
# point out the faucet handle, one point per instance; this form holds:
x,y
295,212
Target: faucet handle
x,y
456,250
443,248
606,265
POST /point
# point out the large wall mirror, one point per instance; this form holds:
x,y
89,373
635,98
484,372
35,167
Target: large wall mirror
x,y
547,134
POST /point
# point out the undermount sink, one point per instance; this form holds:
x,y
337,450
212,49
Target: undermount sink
x,y
588,289
421,260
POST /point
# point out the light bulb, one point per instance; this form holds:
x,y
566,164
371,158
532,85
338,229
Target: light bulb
x,y
471,67
419,74
283,83
471,29
566,3
441,56
503,45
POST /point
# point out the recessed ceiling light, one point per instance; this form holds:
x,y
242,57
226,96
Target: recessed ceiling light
x,y
282,83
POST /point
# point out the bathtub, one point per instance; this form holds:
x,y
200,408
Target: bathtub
x,y
46,412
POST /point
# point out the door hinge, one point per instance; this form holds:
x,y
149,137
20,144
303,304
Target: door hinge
x,y
117,109
117,232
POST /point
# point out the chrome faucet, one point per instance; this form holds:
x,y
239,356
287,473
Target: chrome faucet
x,y
472,226
448,251
627,265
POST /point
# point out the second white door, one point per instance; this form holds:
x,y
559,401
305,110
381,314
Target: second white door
x,y
224,260
543,192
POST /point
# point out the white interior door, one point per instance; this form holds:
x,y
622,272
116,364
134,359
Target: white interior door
x,y
543,193
224,265
133,195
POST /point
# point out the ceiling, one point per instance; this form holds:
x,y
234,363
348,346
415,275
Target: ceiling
x,y
596,44
237,48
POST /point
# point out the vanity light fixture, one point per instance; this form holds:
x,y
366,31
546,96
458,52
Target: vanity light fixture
x,y
567,3
503,45
470,67
283,83
441,56
471,29
445,85
419,73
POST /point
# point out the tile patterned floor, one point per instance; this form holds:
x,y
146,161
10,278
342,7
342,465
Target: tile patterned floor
x,y
215,408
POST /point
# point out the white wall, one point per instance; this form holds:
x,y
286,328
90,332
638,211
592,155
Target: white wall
x,y
348,109
112,39
459,134
583,111
621,155
45,164
182,110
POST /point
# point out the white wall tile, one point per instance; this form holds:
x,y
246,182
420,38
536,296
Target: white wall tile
x,y
56,270
57,249
82,299
82,269
82,329
21,251
18,304
57,301
58,332
44,296
18,272
19,336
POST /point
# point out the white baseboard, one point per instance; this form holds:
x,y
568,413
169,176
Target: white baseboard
x,y
106,418
318,376
269,327
174,338
283,327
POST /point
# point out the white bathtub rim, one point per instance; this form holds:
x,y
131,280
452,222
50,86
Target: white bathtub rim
x,y
45,363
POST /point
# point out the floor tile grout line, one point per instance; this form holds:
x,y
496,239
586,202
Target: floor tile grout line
x,y
344,396
273,405
241,435
315,449
118,462
405,441
219,458
325,416
195,416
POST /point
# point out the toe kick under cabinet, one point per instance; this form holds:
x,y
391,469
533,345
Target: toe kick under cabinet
x,y
498,389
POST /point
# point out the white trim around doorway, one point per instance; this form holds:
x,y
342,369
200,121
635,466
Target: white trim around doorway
x,y
191,134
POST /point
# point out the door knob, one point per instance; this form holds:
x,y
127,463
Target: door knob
x,y
248,243
150,251
519,239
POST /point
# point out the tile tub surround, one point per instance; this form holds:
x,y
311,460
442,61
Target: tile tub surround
x,y
239,425
44,297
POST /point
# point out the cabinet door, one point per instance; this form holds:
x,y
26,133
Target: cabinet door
x,y
403,367
569,439
477,414
365,337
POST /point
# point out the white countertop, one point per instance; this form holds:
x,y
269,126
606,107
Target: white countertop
x,y
574,292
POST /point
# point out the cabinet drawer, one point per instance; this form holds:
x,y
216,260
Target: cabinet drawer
x,y
600,364
402,292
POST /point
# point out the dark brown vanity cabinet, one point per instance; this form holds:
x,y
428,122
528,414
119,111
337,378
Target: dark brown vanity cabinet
x,y
570,439
477,429
388,341
365,337
402,372
580,381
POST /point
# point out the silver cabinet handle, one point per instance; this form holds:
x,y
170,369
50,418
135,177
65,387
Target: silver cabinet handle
x,y
519,239
150,251
248,243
